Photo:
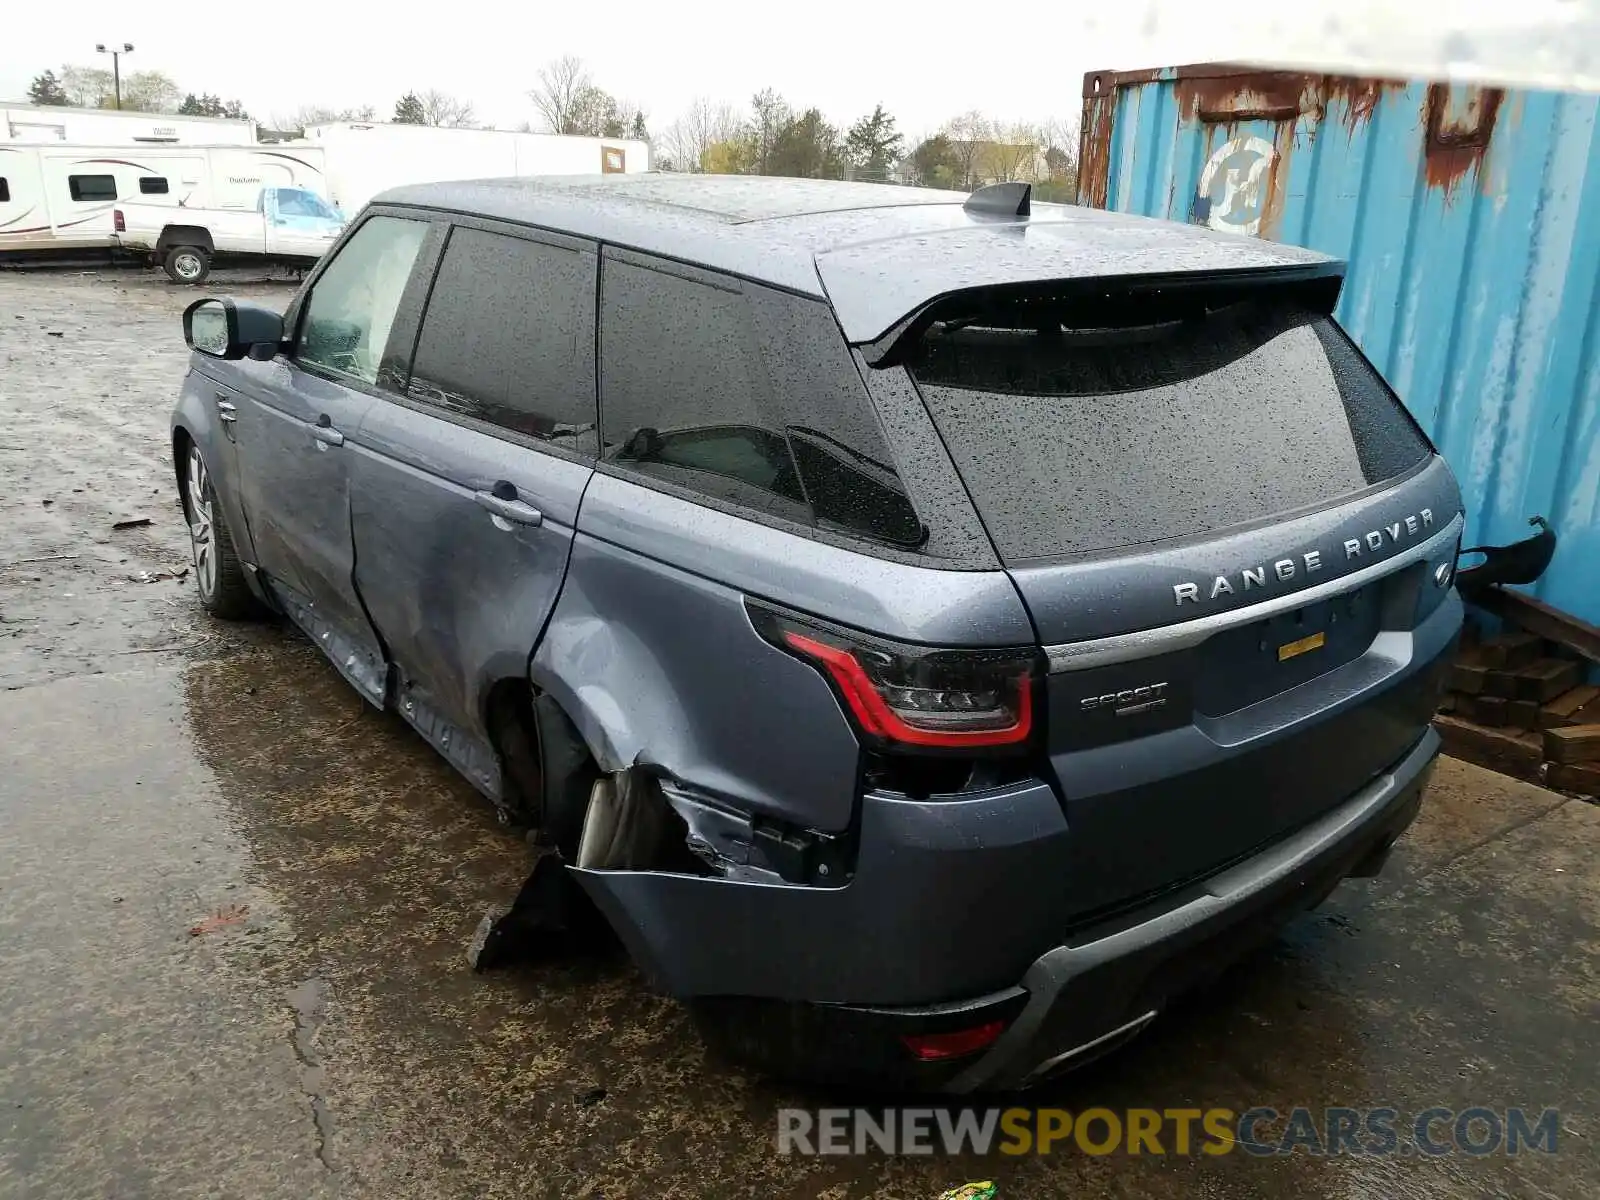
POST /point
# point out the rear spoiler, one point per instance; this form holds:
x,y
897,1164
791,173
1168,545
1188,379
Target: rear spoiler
x,y
1314,287
1001,239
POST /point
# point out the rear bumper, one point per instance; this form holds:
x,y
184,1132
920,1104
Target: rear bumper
x,y
1085,997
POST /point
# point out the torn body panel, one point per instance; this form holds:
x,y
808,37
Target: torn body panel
x,y
661,668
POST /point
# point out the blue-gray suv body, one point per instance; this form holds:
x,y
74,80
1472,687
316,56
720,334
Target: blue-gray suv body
x,y
934,633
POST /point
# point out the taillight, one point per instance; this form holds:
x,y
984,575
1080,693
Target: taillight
x,y
916,696
118,221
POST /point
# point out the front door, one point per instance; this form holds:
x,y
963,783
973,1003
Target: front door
x,y
294,416
465,492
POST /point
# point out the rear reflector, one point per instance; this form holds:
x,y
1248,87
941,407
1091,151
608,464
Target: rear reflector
x,y
932,1047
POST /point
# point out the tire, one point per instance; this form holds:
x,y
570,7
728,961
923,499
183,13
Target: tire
x,y
189,265
218,574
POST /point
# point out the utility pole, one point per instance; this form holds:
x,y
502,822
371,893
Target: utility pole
x,y
116,65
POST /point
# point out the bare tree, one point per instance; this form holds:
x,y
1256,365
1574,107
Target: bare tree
x,y
631,118
967,134
150,91
439,108
1012,152
704,124
321,114
1058,133
85,86
1060,140
772,116
562,85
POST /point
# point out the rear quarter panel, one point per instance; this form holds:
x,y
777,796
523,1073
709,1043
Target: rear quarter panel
x,y
652,654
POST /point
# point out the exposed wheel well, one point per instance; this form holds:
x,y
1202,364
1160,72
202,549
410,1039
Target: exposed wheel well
x,y
547,769
185,235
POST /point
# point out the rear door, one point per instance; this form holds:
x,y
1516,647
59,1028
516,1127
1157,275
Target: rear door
x,y
465,487
1224,526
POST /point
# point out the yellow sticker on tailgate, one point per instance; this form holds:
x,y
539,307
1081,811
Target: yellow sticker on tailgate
x,y
1301,646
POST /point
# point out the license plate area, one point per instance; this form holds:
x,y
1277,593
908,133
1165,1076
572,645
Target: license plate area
x,y
1239,667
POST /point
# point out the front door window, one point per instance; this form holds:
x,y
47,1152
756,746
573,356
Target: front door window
x,y
353,302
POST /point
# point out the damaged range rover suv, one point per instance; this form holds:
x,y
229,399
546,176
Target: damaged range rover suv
x,y
934,633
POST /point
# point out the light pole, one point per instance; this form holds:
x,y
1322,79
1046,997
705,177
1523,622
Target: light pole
x,y
116,65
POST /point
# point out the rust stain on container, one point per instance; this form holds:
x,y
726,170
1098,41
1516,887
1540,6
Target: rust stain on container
x,y
1457,142
1256,96
1361,96
1094,162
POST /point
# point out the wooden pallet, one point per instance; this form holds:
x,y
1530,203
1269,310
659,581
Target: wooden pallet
x,y
1518,702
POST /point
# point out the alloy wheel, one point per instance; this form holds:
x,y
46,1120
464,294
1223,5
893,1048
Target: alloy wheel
x,y
201,527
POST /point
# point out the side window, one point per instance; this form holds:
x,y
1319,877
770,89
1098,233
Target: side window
x,y
92,187
353,302
152,185
682,391
295,203
509,337
844,460
747,396
5,191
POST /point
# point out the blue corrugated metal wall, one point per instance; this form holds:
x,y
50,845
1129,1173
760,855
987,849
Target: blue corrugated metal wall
x,y
1471,222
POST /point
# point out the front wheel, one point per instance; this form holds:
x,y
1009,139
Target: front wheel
x,y
188,264
218,574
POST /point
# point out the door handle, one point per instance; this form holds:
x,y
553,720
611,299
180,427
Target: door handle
x,y
225,408
325,433
510,510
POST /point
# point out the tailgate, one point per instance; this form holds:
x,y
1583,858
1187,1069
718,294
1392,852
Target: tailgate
x,y
1181,747
1227,532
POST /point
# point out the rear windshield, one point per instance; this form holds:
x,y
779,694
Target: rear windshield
x,y
1076,433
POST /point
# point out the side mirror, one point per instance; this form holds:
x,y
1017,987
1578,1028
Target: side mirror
x,y
231,329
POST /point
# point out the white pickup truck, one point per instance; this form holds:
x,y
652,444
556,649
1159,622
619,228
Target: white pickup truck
x,y
289,226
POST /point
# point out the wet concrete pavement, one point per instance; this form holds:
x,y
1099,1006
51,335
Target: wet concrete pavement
x,y
234,904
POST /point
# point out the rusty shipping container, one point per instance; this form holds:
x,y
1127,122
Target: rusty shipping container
x,y
1470,219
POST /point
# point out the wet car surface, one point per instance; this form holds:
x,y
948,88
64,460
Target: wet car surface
x,y
235,904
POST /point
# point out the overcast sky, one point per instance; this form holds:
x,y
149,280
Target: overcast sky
x,y
924,61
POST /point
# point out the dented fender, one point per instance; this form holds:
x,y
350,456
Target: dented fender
x,y
658,667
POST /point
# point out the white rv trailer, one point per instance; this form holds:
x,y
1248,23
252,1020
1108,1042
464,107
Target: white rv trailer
x,y
62,197
58,124
365,158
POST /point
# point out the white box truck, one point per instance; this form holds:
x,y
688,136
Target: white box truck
x,y
62,197
365,158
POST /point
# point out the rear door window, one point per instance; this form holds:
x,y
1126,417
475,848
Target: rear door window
x,y
92,187
509,338
1078,432
744,395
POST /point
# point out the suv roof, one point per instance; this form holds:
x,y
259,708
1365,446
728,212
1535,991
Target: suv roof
x,y
877,252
